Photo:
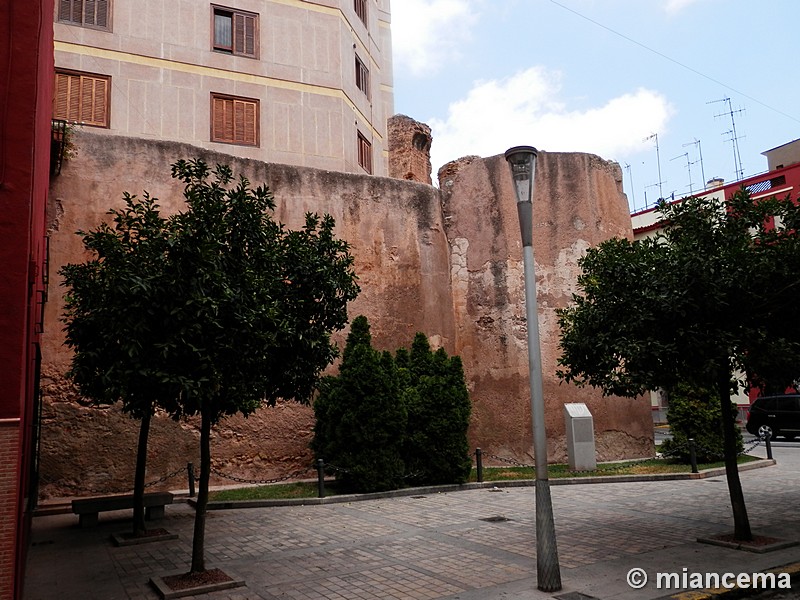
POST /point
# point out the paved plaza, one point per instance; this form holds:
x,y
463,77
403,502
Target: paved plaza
x,y
466,545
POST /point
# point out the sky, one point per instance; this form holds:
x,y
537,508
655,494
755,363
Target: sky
x,y
608,77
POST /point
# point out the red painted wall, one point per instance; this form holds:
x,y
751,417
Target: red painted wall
x,y
26,82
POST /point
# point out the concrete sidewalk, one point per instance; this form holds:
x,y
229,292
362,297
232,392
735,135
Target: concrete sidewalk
x,y
435,545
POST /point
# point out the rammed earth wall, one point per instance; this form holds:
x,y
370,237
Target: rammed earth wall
x,y
447,264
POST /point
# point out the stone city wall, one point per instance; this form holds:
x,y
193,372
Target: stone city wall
x,y
578,202
445,264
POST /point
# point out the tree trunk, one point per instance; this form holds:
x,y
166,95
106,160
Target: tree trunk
x,y
198,542
741,524
138,478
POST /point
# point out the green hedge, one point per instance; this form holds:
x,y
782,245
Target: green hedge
x,y
385,422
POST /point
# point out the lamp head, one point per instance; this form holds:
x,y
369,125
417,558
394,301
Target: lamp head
x,y
522,160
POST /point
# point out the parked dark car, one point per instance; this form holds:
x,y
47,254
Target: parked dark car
x,y
776,415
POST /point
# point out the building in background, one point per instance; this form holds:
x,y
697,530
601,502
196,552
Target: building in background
x,y
304,83
782,178
26,64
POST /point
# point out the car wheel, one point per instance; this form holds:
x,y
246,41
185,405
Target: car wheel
x,y
763,430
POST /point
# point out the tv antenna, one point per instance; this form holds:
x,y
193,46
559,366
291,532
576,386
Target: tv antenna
x,y
645,194
696,142
737,157
688,167
630,178
658,160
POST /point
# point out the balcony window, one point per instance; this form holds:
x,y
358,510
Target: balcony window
x,y
362,76
361,10
235,32
82,98
364,153
86,13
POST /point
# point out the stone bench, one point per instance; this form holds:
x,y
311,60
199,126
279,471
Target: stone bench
x,y
87,509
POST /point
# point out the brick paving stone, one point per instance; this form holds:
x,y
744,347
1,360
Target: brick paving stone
x,y
434,547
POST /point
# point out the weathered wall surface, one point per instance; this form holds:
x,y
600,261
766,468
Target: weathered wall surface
x,y
409,149
447,264
578,203
401,257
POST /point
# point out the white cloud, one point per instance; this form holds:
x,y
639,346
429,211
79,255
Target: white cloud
x,y
526,109
675,6
426,34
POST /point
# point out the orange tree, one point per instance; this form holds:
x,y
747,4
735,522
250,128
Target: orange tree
x,y
253,305
714,293
111,323
213,311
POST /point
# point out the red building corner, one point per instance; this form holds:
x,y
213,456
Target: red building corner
x,y
26,70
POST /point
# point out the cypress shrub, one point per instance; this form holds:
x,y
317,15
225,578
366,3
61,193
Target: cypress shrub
x,y
361,422
437,401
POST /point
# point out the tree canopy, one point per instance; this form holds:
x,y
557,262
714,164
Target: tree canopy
x,y
254,304
231,309
119,340
712,294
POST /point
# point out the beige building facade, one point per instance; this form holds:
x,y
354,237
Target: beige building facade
x,y
305,83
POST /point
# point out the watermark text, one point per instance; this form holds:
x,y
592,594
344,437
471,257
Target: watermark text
x,y
685,579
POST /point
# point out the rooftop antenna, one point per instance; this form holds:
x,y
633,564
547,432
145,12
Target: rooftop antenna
x,y
630,178
737,157
688,167
645,194
658,160
696,142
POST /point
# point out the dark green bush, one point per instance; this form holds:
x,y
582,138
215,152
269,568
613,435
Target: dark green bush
x,y
696,413
385,422
438,406
360,421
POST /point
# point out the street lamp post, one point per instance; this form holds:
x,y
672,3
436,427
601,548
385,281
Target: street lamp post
x,y
522,160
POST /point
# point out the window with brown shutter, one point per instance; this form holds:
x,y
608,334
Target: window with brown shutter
x,y
235,32
234,120
82,98
362,76
361,10
86,13
364,153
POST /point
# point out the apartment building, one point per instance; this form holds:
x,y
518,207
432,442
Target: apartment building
x,y
299,82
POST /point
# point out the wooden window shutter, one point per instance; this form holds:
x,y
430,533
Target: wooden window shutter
x,y
238,33
222,120
362,77
81,99
70,10
93,101
100,102
64,96
364,153
250,124
244,34
94,13
244,118
250,35
234,121
90,15
238,120
361,10
101,13
74,101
